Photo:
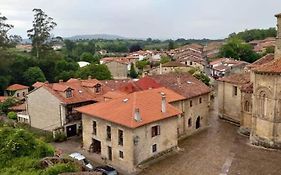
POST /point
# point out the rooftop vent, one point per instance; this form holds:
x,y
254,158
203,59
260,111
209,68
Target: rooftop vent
x,y
189,82
137,116
125,100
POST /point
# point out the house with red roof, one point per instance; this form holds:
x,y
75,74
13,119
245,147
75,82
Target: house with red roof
x,y
139,126
16,90
51,106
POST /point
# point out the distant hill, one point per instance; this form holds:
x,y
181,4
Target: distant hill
x,y
96,36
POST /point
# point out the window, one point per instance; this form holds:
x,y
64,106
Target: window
x,y
154,148
155,131
109,151
121,154
94,127
120,137
190,63
190,103
23,94
98,88
235,90
108,133
200,100
18,95
68,93
189,122
247,106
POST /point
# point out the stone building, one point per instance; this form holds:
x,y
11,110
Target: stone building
x,y
16,90
50,106
118,66
172,66
138,127
260,100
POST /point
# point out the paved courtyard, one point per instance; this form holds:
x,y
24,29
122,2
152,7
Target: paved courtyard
x,y
219,150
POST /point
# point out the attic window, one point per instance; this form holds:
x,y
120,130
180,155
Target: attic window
x,y
98,88
68,93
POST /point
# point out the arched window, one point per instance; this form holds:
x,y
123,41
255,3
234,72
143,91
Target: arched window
x,y
247,106
263,102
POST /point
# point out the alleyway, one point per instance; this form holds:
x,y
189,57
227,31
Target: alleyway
x,y
220,150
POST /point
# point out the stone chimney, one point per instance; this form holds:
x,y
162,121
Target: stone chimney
x,y
277,54
163,102
60,81
137,116
89,77
160,69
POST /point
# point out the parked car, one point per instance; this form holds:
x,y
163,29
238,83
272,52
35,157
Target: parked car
x,y
106,170
82,159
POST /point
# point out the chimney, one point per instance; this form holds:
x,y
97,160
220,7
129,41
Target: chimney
x,y
137,116
277,54
60,81
160,67
163,102
89,77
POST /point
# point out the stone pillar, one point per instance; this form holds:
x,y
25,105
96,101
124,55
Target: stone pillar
x,y
278,38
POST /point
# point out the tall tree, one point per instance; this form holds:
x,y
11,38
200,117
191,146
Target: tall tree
x,y
40,34
5,39
133,73
34,74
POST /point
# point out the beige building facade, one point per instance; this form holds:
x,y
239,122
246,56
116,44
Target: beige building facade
x,y
118,70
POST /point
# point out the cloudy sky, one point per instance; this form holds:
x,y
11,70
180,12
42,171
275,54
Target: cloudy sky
x,y
161,19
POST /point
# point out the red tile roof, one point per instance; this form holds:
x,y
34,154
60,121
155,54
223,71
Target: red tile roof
x,y
182,83
19,107
248,88
15,87
273,66
38,84
238,79
2,99
174,64
80,93
122,60
122,110
266,59
115,84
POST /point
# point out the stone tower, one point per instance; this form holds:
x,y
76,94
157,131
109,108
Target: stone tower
x,y
278,38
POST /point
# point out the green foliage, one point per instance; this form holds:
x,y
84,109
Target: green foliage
x,y
238,49
255,34
270,50
165,59
98,71
197,73
60,168
60,137
40,33
4,107
135,47
171,45
141,64
133,73
12,115
34,74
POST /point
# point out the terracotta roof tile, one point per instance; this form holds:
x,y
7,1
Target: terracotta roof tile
x,y
248,88
38,84
2,99
238,79
182,83
122,60
122,110
266,59
115,84
273,66
15,87
174,64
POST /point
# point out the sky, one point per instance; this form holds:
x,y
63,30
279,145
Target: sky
x,y
157,19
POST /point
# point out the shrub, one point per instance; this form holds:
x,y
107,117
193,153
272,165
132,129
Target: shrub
x,y
60,168
12,115
60,137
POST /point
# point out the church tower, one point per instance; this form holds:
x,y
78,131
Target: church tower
x,y
278,38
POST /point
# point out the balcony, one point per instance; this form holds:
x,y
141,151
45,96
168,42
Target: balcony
x,y
73,117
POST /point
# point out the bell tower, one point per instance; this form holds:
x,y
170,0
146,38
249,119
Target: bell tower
x,y
278,38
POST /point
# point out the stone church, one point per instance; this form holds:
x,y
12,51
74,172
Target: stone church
x,y
253,99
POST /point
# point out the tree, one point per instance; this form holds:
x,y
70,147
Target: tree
x,y
171,45
238,49
255,34
4,107
98,71
87,56
165,59
141,64
197,73
34,74
12,115
135,48
40,33
133,73
5,39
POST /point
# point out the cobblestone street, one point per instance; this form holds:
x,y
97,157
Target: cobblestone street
x,y
219,150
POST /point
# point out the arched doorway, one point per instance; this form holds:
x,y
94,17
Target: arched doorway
x,y
198,122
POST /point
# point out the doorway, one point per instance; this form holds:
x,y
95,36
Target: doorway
x,y
71,130
96,146
198,122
